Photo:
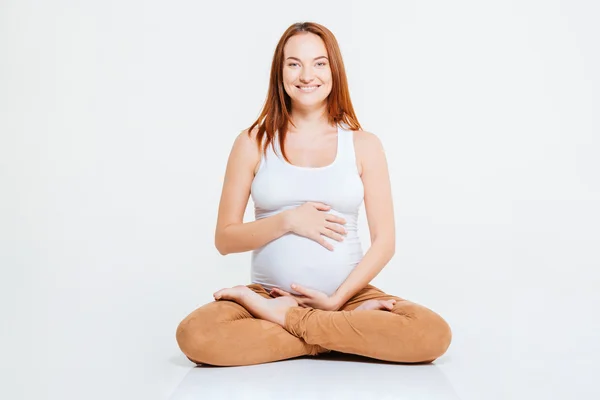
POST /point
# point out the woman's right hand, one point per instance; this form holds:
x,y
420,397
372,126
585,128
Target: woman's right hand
x,y
310,220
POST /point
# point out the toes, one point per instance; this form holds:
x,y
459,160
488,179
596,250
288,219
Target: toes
x,y
387,304
219,294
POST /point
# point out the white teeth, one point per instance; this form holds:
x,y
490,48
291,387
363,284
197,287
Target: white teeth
x,y
308,88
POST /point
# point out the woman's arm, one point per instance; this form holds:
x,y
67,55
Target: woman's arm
x,y
232,235
380,216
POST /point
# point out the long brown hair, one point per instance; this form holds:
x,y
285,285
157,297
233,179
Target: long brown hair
x,y
275,114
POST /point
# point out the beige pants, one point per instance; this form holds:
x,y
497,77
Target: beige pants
x,y
224,333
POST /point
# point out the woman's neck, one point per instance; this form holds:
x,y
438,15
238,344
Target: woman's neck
x,y
306,120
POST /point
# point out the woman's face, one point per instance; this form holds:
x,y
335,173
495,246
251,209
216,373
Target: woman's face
x,y
306,71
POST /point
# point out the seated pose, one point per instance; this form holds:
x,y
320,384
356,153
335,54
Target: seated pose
x,y
308,166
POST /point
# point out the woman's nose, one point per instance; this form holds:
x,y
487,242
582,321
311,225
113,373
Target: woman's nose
x,y
306,75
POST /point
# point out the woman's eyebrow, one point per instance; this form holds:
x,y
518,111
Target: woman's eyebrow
x,y
294,58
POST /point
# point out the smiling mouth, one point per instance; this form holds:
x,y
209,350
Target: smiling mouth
x,y
308,89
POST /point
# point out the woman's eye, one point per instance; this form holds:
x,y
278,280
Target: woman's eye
x,y
319,63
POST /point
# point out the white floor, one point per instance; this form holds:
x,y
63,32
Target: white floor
x,y
333,377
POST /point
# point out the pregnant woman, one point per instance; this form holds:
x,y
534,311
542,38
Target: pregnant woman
x,y
308,166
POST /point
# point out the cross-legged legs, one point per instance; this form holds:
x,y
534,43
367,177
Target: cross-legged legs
x,y
227,332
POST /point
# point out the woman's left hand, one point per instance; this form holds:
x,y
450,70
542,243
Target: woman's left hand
x,y
309,298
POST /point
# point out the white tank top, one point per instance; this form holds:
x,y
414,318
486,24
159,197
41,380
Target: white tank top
x,y
278,186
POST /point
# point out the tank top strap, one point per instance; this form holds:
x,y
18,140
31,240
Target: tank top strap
x,y
270,159
275,148
346,146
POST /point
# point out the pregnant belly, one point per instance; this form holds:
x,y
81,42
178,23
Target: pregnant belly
x,y
296,259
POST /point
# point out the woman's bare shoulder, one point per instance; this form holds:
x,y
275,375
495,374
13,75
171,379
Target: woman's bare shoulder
x,y
245,146
365,140
247,138
367,147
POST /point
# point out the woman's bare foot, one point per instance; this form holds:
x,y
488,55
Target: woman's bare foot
x,y
377,305
272,310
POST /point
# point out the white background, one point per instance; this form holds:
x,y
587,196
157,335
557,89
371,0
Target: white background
x,y
116,121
